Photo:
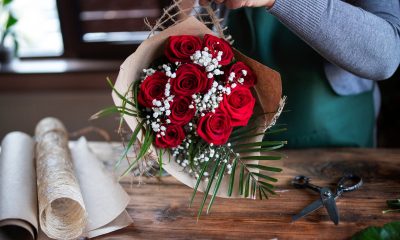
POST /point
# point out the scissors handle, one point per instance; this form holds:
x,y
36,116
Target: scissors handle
x,y
349,183
304,182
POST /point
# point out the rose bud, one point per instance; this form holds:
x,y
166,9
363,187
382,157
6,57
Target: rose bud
x,y
215,45
238,105
215,127
151,88
180,48
173,137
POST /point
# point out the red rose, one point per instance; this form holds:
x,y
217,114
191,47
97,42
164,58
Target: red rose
x,y
180,48
180,111
238,105
174,136
153,87
190,79
216,44
241,70
215,127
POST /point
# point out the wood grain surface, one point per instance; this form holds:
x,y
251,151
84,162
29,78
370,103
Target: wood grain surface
x,y
159,207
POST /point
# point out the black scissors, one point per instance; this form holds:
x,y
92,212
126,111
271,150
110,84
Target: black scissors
x,y
327,199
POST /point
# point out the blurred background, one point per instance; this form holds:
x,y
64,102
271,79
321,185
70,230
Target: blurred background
x,y
65,51
55,56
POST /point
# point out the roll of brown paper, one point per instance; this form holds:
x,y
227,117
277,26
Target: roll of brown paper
x,y
18,200
62,213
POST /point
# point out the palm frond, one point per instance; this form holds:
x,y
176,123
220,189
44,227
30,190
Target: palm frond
x,y
217,185
232,177
204,168
210,182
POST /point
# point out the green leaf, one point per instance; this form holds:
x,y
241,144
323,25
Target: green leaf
x,y
246,135
217,185
11,21
264,193
261,144
276,131
246,189
148,139
232,177
113,109
259,193
253,191
268,178
6,2
119,94
210,181
241,175
160,162
130,143
273,158
265,168
241,137
266,149
242,130
205,166
267,188
192,154
266,185
389,231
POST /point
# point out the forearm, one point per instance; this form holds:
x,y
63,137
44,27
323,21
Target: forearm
x,y
350,37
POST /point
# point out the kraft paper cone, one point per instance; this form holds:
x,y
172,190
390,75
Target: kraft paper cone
x,y
268,91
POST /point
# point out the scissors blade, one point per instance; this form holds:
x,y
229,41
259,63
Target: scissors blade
x,y
330,205
309,209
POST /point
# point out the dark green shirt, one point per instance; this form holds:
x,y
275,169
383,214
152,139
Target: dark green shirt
x,y
315,115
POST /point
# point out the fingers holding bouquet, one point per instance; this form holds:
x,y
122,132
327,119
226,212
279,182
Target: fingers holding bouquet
x,y
233,4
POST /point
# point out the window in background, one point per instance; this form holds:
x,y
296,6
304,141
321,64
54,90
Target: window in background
x,y
104,28
38,28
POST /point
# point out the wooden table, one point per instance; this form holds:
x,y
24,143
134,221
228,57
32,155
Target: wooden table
x,y
160,208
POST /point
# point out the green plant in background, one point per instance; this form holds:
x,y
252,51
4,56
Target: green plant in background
x,y
7,23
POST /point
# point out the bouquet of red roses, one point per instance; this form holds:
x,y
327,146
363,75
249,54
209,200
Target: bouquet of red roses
x,y
200,109
196,95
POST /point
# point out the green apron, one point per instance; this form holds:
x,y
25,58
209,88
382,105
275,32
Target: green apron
x,y
315,115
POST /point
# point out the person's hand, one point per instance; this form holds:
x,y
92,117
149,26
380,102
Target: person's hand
x,y
233,4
